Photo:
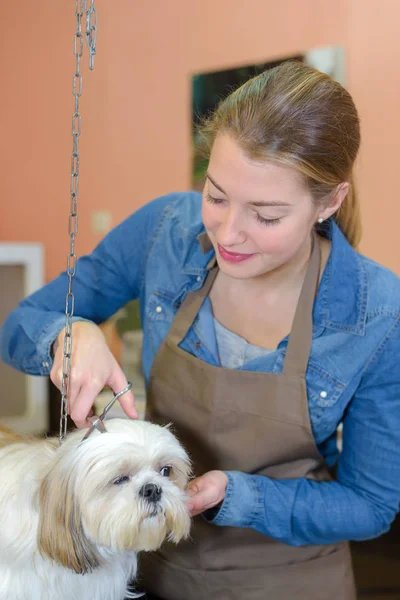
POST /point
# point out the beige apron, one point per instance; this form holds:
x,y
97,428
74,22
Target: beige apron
x,y
255,423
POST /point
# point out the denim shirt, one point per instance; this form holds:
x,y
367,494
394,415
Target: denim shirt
x,y
353,376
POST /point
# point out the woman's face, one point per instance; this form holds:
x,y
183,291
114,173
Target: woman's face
x,y
258,216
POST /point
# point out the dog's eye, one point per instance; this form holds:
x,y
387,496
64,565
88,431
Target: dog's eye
x,y
166,471
121,480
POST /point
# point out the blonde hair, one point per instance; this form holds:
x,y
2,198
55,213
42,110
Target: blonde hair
x,y
299,117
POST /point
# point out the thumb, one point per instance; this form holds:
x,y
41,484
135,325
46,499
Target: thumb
x,y
118,382
201,496
195,486
199,502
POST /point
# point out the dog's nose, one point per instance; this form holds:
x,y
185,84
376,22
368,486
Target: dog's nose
x,y
150,492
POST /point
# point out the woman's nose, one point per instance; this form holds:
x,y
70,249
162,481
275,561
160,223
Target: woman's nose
x,y
230,231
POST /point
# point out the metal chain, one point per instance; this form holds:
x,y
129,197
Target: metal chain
x,y
81,7
91,32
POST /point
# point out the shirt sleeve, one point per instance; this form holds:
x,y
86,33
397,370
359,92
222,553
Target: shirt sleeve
x,y
364,499
105,280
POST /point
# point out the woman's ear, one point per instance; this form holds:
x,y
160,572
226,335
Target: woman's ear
x,y
335,200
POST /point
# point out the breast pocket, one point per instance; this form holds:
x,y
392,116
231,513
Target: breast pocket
x,y
160,313
324,393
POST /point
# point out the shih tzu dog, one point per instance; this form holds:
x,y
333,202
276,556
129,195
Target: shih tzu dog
x,y
73,517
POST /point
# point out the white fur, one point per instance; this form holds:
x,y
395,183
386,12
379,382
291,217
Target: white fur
x,y
67,530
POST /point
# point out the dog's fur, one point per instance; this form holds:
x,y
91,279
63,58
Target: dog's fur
x,y
73,518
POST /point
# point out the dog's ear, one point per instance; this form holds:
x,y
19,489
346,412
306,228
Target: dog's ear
x,y
60,532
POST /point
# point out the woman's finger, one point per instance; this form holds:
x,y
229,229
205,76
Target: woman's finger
x,y
118,382
81,408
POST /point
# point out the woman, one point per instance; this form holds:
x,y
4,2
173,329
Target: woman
x,y
222,280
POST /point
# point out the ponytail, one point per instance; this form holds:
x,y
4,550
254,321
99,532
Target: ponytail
x,y
348,217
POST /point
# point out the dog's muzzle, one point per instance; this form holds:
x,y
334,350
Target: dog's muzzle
x,y
150,492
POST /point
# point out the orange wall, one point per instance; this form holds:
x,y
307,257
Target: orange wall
x,y
136,104
374,81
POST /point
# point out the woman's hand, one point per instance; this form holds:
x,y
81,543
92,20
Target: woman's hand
x,y
206,491
92,368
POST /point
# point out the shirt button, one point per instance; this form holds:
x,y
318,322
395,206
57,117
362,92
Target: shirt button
x,y
159,309
45,364
323,394
198,278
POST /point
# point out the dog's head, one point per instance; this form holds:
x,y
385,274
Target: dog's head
x,y
116,492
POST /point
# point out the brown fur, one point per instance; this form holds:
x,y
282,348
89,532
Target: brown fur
x,y
7,437
60,532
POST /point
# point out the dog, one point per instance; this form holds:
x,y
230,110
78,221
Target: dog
x,y
74,517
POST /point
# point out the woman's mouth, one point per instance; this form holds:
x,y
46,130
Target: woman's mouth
x,y
232,256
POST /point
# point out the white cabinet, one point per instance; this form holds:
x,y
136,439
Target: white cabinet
x,y
23,398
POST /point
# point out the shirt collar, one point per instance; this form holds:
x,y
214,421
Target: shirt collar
x,y
205,247
200,256
341,302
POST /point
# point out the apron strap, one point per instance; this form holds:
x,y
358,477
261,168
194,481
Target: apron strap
x,y
300,338
190,307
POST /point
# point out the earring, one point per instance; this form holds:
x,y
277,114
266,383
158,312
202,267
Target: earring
x,y
321,220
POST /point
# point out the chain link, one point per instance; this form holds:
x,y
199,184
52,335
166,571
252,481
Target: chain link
x,y
82,7
91,32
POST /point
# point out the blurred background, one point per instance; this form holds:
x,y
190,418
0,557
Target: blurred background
x,y
159,67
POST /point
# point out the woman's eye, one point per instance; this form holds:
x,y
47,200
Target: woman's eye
x,y
166,471
268,221
122,480
213,200
260,219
